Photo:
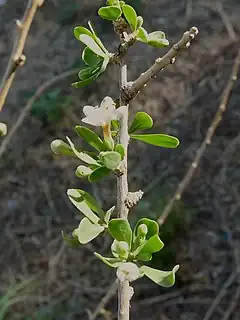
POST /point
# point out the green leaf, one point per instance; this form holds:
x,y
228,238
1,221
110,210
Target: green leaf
x,y
108,214
60,147
82,156
90,43
72,241
158,139
142,121
89,200
95,37
111,262
110,159
79,202
98,174
111,13
154,244
3,129
87,231
162,278
130,15
83,83
78,31
113,3
82,171
90,137
157,39
90,58
120,149
139,22
152,227
120,230
142,35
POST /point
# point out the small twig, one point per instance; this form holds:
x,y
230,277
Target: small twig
x,y
108,296
132,89
221,294
24,112
233,305
17,58
211,130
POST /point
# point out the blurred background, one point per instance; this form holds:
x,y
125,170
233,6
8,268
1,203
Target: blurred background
x,y
42,278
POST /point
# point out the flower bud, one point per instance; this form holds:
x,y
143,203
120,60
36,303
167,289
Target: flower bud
x,y
60,147
120,249
128,271
142,231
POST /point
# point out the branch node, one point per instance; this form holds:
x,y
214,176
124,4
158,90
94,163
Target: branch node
x,y
133,198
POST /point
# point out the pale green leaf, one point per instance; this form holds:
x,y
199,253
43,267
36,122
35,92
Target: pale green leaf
x,y
81,155
110,159
111,262
87,231
90,43
162,278
79,202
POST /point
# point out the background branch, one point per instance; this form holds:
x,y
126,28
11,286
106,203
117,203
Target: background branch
x,y
211,130
25,111
17,58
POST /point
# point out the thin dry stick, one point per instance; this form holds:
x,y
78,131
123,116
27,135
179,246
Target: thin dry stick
x,y
27,108
17,58
134,87
108,296
221,294
216,120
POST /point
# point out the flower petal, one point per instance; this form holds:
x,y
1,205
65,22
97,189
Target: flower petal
x,y
108,104
120,111
87,110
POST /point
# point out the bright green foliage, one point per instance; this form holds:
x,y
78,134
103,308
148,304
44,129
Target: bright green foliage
x,y
120,230
111,13
90,137
3,129
159,140
141,121
95,56
99,174
131,16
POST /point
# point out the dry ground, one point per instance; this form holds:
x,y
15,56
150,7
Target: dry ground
x,y
182,101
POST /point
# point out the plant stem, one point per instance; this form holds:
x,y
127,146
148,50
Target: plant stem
x,y
122,192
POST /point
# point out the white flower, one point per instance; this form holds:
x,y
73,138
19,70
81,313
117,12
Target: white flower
x,y
128,271
100,116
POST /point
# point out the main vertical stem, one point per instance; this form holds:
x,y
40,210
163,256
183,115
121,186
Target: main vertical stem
x,y
122,192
